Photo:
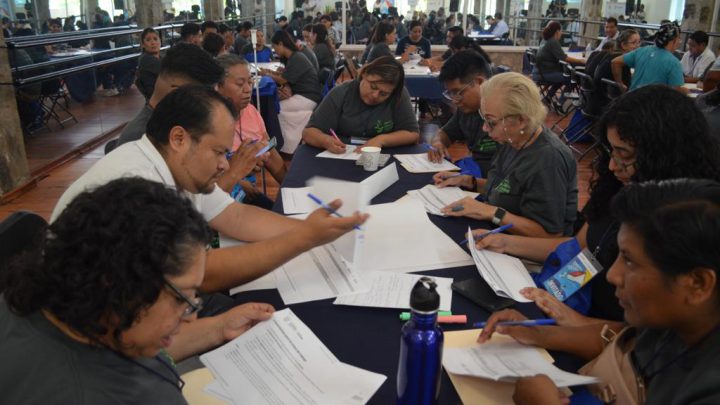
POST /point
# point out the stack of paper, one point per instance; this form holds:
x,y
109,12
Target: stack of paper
x,y
419,163
281,361
399,237
505,274
348,155
390,290
435,199
507,361
315,275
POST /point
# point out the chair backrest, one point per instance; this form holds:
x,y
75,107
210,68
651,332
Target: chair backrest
x,y
500,69
19,232
338,72
612,89
326,80
587,88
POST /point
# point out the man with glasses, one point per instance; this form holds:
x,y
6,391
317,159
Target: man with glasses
x,y
462,76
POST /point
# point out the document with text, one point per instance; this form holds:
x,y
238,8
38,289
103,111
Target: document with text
x,y
296,200
315,275
348,155
419,163
435,199
392,290
281,361
505,274
507,361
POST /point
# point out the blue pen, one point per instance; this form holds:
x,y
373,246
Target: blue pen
x,y
494,231
429,147
328,208
529,322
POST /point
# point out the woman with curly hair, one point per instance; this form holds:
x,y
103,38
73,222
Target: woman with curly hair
x,y
88,317
653,133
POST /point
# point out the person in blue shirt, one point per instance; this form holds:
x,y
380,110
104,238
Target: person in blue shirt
x,y
264,54
653,64
414,42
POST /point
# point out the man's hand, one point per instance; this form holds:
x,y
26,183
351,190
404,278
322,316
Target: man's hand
x,y
321,227
239,319
243,161
438,152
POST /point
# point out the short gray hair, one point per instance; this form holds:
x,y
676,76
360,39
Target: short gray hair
x,y
227,61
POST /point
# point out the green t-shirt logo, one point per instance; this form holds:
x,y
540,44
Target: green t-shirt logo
x,y
503,187
383,127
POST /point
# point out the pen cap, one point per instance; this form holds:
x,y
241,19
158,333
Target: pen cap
x,y
424,296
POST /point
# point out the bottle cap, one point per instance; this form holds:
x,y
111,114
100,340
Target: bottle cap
x,y
424,297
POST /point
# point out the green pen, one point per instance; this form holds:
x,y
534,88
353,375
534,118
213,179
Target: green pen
x,y
405,316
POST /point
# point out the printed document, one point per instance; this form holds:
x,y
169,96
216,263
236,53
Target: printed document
x,y
392,290
507,361
400,238
296,200
419,163
315,275
281,361
348,155
435,199
505,274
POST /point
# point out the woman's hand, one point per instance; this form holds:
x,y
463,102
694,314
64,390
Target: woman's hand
x,y
471,208
333,145
438,152
561,313
528,335
447,179
239,319
538,390
497,242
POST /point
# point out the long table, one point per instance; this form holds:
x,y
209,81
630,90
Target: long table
x,y
369,338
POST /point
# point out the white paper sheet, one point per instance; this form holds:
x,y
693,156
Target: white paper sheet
x,y
296,200
315,275
216,389
348,155
281,361
507,361
434,199
399,237
505,274
419,163
388,290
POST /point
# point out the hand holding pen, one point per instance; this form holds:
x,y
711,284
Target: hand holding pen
x,y
447,179
484,234
331,209
334,144
437,152
516,325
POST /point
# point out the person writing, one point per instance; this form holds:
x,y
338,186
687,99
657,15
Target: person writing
x,y
374,108
532,182
631,152
666,280
94,313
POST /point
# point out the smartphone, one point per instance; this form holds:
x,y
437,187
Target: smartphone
x,y
271,144
479,292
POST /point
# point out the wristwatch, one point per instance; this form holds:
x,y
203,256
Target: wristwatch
x,y
499,215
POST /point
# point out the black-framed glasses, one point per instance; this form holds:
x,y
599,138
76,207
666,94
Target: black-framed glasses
x,y
194,305
457,95
620,161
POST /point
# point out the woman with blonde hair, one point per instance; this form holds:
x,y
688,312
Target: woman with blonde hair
x,y
532,182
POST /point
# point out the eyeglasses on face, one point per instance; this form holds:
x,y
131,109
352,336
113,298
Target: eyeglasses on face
x,y
492,124
194,304
621,161
457,95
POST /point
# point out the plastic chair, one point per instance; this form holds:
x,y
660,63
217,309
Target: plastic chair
x,y
612,89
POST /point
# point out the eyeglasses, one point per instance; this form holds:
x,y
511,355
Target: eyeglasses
x,y
493,124
621,161
194,305
457,95
374,87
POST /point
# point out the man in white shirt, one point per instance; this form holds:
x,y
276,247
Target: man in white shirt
x,y
185,147
501,27
698,57
611,33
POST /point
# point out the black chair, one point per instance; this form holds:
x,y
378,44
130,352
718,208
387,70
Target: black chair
x,y
586,90
325,75
496,70
544,85
19,232
52,99
612,89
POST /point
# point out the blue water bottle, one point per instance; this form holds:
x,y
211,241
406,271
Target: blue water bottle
x,y
421,345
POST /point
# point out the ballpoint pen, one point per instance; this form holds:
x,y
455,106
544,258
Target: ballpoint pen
x,y
328,208
527,322
491,232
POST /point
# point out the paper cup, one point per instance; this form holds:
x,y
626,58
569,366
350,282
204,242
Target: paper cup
x,y
370,156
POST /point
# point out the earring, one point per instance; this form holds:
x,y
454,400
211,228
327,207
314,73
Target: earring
x,y
522,132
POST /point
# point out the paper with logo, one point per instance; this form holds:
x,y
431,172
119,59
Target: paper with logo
x,y
281,361
573,275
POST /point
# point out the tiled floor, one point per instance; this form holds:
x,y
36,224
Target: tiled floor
x,y
107,113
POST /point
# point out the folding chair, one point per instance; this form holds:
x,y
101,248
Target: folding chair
x,y
586,88
549,99
612,89
51,100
